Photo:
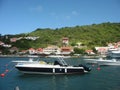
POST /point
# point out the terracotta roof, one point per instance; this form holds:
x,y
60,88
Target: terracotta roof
x,y
14,48
39,49
66,48
31,49
89,50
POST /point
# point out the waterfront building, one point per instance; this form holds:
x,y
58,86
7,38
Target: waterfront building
x,y
89,52
66,50
102,50
39,51
51,50
32,51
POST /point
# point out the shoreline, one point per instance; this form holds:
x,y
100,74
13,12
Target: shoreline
x,y
11,56
37,56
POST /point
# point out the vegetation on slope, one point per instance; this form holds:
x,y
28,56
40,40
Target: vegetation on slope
x,y
88,35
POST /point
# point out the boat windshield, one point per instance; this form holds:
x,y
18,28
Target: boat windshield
x,y
62,61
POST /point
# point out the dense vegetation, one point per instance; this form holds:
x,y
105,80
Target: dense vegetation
x,y
89,35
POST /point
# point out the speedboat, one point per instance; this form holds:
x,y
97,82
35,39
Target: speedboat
x,y
108,62
58,67
91,61
114,52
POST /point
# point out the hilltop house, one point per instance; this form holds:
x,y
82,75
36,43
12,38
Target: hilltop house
x,y
31,38
7,45
65,41
1,43
13,39
14,49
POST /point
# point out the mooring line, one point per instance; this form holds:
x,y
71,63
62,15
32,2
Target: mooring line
x,y
7,70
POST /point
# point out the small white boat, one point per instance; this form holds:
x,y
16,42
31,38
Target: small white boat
x,y
114,52
108,62
91,61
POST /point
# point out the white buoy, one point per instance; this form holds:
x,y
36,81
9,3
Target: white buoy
x,y
17,88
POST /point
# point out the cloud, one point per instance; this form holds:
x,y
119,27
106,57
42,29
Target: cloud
x,y
71,15
68,17
75,13
37,9
55,15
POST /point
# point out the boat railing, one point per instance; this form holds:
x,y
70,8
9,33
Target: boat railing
x,y
62,61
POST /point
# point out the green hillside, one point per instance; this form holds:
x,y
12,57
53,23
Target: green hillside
x,y
90,35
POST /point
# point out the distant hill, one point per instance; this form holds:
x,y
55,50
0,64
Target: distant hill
x,y
89,35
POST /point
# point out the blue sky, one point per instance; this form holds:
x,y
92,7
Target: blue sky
x,y
24,16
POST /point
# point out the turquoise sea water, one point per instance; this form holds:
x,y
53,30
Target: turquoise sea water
x,y
108,78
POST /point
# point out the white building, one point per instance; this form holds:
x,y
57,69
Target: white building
x,y
65,41
7,45
32,51
102,50
51,50
66,50
31,38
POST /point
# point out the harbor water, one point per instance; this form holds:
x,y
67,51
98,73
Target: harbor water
x,y
104,78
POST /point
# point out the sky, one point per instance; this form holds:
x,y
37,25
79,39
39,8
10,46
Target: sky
x,y
24,16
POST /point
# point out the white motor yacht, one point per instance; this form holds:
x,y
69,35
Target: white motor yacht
x,y
108,62
58,67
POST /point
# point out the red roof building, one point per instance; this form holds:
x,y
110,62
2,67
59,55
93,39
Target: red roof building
x,y
39,51
13,39
65,41
89,52
32,51
1,43
66,50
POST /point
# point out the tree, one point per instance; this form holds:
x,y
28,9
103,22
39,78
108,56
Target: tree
x,y
79,51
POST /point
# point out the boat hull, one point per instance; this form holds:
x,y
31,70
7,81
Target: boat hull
x,y
41,67
42,70
91,61
114,54
108,62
